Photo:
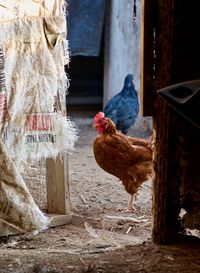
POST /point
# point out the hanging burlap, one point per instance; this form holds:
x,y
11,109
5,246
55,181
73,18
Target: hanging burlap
x,y
33,85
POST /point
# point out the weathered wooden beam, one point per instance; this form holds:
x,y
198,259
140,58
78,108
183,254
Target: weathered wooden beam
x,y
166,201
58,191
176,59
59,219
165,184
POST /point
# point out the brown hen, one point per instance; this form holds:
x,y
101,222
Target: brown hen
x,y
129,159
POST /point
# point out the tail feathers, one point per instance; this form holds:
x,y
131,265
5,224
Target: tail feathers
x,y
138,174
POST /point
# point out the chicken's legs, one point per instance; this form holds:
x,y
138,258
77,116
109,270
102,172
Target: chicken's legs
x,y
130,207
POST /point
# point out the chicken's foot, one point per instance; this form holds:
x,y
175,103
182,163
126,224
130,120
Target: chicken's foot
x,y
130,207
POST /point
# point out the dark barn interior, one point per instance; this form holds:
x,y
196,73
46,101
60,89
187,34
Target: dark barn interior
x,y
86,49
86,87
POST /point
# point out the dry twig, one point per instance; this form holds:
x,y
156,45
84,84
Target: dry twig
x,y
126,219
128,230
81,196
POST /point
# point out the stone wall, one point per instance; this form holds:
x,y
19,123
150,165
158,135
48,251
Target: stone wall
x,y
122,49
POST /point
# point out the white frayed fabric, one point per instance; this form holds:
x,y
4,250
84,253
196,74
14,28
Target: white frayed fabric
x,y
33,86
17,206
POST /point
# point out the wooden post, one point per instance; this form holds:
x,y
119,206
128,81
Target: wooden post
x,y
156,72
58,190
166,201
166,182
58,185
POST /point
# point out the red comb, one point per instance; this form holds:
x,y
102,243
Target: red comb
x,y
99,116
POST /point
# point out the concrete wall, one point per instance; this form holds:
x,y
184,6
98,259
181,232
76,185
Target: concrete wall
x,y
121,46
122,50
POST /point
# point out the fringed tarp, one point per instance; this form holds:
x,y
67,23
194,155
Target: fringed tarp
x,y
33,85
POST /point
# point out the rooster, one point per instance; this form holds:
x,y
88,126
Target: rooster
x,y
123,108
129,159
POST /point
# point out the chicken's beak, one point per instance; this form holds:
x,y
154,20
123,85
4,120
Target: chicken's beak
x,y
96,124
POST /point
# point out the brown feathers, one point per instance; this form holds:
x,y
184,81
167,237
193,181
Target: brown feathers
x,y
129,159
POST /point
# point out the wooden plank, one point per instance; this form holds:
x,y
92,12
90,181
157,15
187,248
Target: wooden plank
x,y
57,177
7,229
147,59
59,220
58,192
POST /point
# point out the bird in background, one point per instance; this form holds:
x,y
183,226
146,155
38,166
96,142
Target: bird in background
x,y
123,108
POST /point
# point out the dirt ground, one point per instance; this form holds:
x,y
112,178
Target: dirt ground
x,y
97,240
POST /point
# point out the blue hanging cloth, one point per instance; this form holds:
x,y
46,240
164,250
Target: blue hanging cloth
x,y
85,20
